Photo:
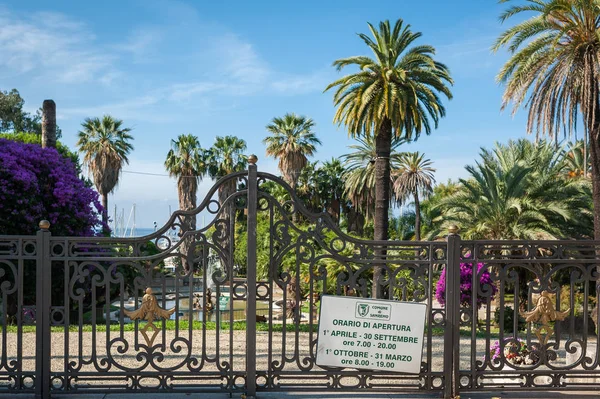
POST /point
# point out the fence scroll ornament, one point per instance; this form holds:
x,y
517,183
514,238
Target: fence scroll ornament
x,y
149,311
543,314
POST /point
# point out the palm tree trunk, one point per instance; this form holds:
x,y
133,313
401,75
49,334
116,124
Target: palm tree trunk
x,y
417,217
105,231
383,145
595,161
593,124
334,210
187,187
227,214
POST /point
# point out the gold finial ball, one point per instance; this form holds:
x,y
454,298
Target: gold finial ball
x,y
44,225
453,229
149,291
252,159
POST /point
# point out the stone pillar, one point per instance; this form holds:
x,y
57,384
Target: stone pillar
x,y
48,124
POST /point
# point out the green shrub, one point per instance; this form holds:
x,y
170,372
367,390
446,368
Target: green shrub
x,y
509,318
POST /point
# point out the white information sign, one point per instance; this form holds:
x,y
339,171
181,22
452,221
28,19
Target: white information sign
x,y
371,334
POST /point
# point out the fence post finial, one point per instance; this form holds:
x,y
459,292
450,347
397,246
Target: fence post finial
x,y
252,159
453,229
44,224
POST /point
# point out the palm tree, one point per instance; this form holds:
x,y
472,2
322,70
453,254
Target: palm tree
x,y
225,157
105,144
554,65
395,94
514,192
360,173
309,188
576,160
292,141
414,177
332,186
186,160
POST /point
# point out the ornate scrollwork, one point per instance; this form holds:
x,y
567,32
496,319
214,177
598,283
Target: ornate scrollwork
x,y
543,313
149,310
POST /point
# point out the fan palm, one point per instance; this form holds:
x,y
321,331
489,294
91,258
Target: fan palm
x,y
395,94
292,141
555,66
186,160
224,157
308,187
332,186
413,177
105,145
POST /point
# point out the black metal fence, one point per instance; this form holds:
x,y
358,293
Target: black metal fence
x,y
101,315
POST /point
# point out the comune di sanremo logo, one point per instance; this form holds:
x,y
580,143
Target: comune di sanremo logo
x,y
362,309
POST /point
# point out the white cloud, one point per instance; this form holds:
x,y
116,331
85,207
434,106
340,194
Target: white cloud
x,y
48,48
300,84
142,44
136,108
53,47
185,91
239,60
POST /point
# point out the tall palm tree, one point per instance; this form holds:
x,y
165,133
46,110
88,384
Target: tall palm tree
x,y
186,160
414,177
554,70
105,145
224,157
292,141
395,94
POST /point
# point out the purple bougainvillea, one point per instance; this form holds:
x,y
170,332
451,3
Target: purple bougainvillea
x,y
38,183
466,282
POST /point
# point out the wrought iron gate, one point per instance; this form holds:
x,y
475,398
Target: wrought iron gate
x,y
88,314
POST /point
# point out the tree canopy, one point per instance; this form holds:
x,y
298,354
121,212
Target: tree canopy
x,y
13,119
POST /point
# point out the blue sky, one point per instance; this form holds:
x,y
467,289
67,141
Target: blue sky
x,y
215,68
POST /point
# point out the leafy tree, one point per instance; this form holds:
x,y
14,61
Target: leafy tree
x,y
413,177
554,71
403,226
395,94
292,141
105,145
14,119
